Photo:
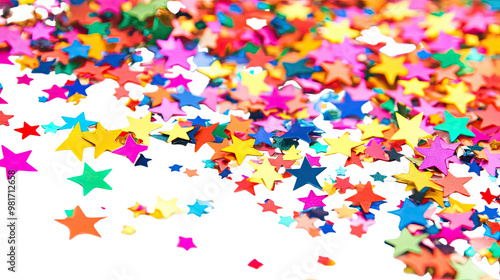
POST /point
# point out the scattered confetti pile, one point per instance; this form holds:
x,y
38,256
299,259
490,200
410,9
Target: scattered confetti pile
x,y
343,99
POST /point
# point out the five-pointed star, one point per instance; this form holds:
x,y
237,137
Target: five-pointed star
x,y
391,67
142,127
104,140
372,130
255,82
265,173
419,179
454,126
91,179
409,130
177,132
215,70
336,32
241,148
78,223
458,95
167,207
414,86
406,242
306,175
341,145
16,162
75,142
365,197
345,212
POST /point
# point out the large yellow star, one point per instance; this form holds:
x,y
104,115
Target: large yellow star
x,y
307,44
372,130
142,127
177,132
409,130
345,212
294,11
457,95
103,139
241,148
265,173
398,11
167,207
391,67
215,70
98,45
336,32
419,179
491,43
436,24
414,86
255,82
75,142
341,145
292,154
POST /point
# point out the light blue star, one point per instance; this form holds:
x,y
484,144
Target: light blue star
x,y
286,220
208,163
198,208
340,171
51,127
71,122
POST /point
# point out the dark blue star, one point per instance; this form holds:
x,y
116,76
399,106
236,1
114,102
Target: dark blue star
x,y
350,107
326,228
198,121
474,167
490,212
225,173
175,167
306,175
410,213
71,122
142,160
262,136
113,59
376,204
186,98
77,87
159,80
43,67
297,131
317,212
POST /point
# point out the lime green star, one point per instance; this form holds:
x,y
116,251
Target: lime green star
x,y
467,271
91,179
406,242
454,126
143,11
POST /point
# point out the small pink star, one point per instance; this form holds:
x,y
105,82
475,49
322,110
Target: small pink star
x,y
131,149
56,92
186,243
24,80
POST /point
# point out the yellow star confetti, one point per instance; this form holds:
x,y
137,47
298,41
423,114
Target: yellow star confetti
x,y
341,145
